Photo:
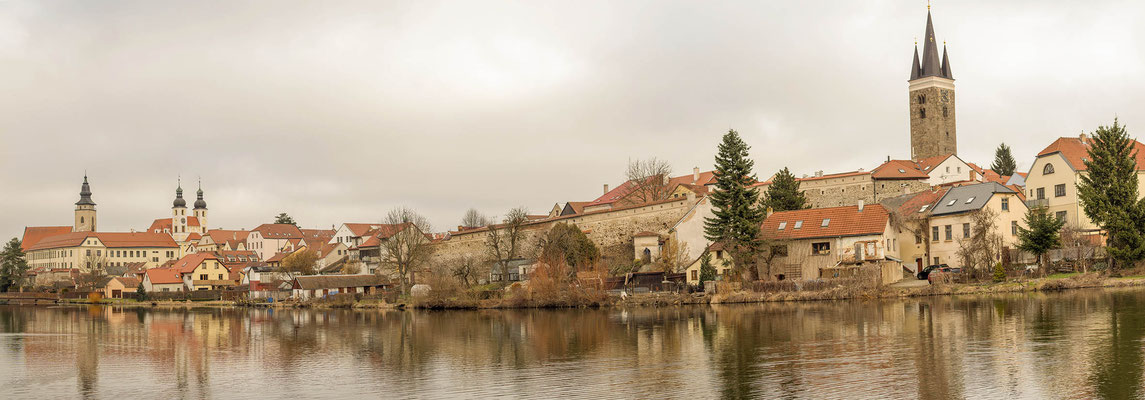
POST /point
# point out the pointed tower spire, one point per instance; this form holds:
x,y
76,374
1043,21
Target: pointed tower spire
x,y
200,204
946,63
915,68
931,65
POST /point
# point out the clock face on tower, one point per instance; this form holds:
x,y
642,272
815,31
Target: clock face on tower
x,y
182,220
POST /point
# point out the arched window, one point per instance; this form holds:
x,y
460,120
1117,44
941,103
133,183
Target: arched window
x,y
944,113
922,113
81,220
921,99
1048,169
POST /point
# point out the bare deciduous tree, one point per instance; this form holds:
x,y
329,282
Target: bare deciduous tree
x,y
983,248
674,257
474,219
650,179
407,249
92,272
352,267
300,263
505,240
466,269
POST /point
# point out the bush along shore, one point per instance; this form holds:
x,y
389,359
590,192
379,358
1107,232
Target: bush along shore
x,y
541,295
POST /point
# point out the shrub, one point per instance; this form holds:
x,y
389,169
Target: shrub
x,y
999,273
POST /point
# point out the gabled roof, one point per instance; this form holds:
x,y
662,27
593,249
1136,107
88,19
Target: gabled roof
x,y
160,276
625,189
278,257
221,236
1075,150
912,204
278,231
359,229
928,164
164,224
191,261
382,232
34,234
109,239
965,198
574,207
898,169
843,221
127,282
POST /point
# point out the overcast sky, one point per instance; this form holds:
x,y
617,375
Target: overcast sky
x,y
338,111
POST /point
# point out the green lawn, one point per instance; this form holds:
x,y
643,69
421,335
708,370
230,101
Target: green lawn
x,y
1064,275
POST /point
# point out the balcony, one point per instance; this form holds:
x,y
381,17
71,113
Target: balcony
x,y
1034,203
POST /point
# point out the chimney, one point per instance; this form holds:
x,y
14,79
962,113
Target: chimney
x,y
606,188
861,204
695,174
819,174
1082,137
888,158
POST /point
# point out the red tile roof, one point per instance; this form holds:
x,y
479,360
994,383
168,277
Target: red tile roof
x,y
625,189
844,221
221,236
191,261
578,206
279,231
359,229
164,224
34,234
928,164
927,198
163,276
898,169
1075,151
383,232
109,239
131,283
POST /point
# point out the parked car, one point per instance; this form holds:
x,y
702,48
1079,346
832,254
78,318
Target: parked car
x,y
925,272
945,274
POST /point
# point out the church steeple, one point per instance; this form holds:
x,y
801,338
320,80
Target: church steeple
x,y
85,209
931,104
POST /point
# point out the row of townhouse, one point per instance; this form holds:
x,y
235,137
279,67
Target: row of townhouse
x,y
918,229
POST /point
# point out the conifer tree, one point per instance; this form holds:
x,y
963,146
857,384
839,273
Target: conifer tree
x,y
735,205
1041,234
783,194
707,271
1004,163
1108,193
13,265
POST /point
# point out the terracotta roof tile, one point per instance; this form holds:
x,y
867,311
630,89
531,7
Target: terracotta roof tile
x,y
109,239
625,189
279,231
844,221
1076,152
34,234
191,261
163,276
898,169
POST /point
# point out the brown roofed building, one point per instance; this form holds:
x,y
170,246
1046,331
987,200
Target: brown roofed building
x,y
803,241
1055,173
79,249
268,239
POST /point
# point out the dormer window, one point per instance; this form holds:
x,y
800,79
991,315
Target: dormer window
x,y
798,224
782,225
951,203
969,200
826,221
1048,169
923,209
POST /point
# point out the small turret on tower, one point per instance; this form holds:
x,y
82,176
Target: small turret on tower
x,y
85,209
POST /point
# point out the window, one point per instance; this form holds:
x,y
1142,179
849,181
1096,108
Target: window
x,y
779,250
917,239
1059,190
934,233
220,277
826,221
782,225
970,200
1061,215
923,209
921,99
1014,228
945,114
202,277
1048,169
798,224
922,113
1005,204
949,232
951,203
936,261
821,248
1041,193
947,169
695,275
966,230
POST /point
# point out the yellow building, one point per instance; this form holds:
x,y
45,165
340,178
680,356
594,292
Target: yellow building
x,y
952,219
84,250
1054,176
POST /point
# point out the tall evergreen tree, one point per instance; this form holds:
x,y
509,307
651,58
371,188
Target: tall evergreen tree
x,y
283,218
1108,193
1004,163
783,194
1042,232
13,265
735,205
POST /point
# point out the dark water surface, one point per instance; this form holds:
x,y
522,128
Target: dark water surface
x,y
1080,344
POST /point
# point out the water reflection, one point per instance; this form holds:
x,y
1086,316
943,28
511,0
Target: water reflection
x,y
1080,344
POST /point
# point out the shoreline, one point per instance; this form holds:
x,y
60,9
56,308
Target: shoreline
x,y
1077,281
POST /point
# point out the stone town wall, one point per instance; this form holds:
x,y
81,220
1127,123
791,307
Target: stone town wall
x,y
608,229
847,191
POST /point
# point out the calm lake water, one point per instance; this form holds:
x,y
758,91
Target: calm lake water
x,y
1079,344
